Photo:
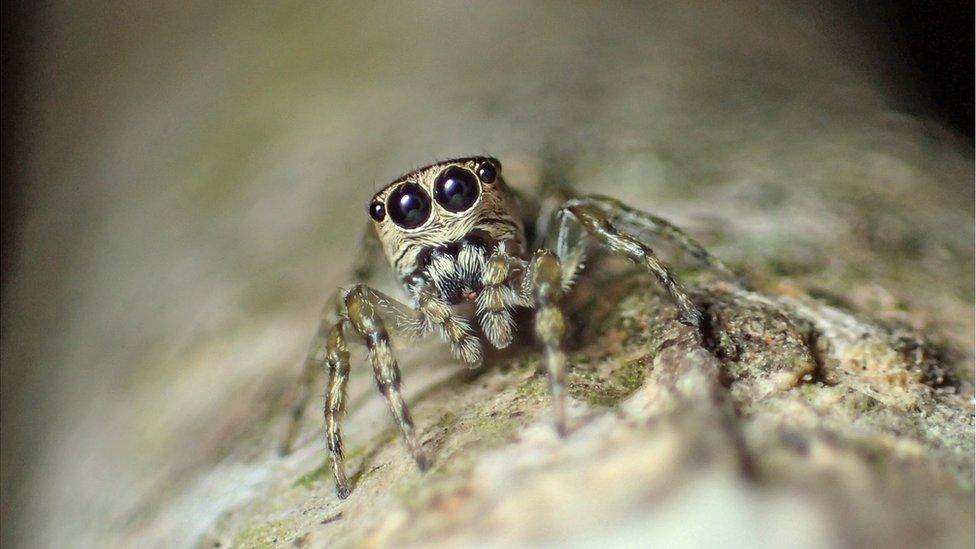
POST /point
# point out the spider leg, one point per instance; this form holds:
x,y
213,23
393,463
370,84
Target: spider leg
x,y
598,225
435,312
315,358
367,312
496,299
361,310
337,356
545,278
314,362
641,221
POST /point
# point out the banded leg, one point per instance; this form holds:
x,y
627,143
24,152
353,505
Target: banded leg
x,y
337,356
362,314
596,223
431,313
639,220
314,363
457,331
496,299
545,277
315,358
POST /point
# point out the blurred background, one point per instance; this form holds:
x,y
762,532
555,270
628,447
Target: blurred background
x,y
184,184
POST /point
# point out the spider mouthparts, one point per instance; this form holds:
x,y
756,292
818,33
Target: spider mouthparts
x,y
470,296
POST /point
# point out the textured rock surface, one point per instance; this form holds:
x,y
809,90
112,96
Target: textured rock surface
x,y
201,191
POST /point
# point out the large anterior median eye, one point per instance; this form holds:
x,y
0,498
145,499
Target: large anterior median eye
x,y
408,206
456,189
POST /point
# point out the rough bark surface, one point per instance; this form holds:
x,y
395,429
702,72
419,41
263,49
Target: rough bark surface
x,y
794,422
194,215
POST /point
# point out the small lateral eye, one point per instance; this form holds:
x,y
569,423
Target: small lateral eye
x,y
456,189
487,172
408,206
377,211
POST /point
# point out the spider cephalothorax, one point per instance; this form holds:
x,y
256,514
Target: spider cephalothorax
x,y
439,227
442,206
453,233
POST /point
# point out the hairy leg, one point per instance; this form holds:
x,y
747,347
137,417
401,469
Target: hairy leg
x,y
337,356
545,278
362,314
366,311
641,221
436,313
598,225
314,362
496,299
315,358
431,313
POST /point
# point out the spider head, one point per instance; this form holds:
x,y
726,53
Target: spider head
x,y
442,206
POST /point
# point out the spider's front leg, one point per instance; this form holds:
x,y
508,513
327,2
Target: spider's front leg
x,y
596,223
316,357
497,298
361,310
433,312
364,312
545,280
508,281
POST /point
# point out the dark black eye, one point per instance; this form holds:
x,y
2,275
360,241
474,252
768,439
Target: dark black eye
x,y
456,189
376,211
487,172
409,206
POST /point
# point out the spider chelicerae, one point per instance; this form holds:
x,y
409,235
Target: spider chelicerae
x,y
453,232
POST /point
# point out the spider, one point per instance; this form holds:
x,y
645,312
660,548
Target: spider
x,y
453,233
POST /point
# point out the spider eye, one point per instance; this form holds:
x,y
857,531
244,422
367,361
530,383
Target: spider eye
x,y
456,189
377,211
487,172
409,206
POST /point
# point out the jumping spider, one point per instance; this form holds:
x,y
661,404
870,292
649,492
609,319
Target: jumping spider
x,y
453,233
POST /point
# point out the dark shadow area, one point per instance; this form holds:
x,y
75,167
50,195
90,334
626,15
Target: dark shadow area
x,y
930,44
17,40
